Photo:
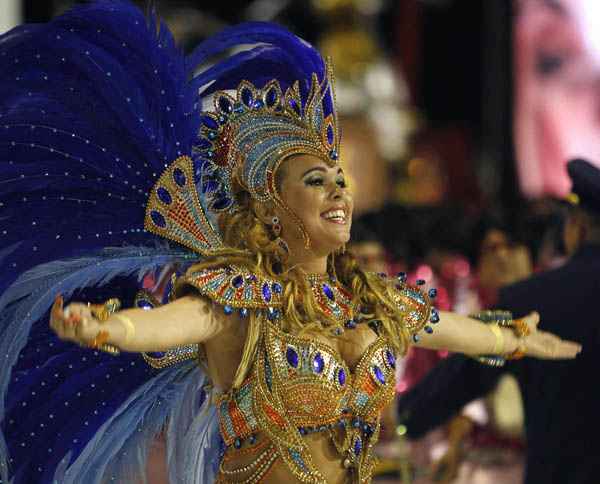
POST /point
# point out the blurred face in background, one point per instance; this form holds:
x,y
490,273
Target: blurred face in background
x,y
501,262
557,90
370,255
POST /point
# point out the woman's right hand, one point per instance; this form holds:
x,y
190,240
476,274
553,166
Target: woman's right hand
x,y
76,323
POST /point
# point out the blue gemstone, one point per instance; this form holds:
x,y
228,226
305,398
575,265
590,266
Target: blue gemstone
x,y
253,439
342,423
356,423
225,105
237,443
237,281
416,338
266,292
272,314
350,324
239,108
357,446
227,309
402,276
156,354
435,317
209,186
247,97
221,203
295,106
158,219
390,358
179,177
428,329
209,122
328,292
318,363
330,134
292,357
341,377
383,275
259,103
432,293
338,331
163,195
277,288
222,119
302,431
368,430
145,304
244,312
379,374
271,97
333,154
420,282
211,135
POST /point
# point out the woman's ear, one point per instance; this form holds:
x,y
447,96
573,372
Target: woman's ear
x,y
264,211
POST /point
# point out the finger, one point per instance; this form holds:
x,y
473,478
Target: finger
x,y
532,320
80,310
56,312
566,350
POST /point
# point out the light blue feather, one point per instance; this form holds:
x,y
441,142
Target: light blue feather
x,y
29,298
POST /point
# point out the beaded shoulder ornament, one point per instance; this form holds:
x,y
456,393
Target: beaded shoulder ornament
x,y
245,137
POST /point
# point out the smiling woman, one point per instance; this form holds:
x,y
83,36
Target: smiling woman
x,y
270,353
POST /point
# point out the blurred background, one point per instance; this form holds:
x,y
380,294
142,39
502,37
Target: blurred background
x,y
457,118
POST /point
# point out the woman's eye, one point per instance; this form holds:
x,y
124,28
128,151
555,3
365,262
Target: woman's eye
x,y
341,182
314,181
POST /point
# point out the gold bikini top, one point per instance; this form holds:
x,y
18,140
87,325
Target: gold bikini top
x,y
299,385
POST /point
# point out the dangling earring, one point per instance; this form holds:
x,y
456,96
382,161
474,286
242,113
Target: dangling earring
x,y
276,228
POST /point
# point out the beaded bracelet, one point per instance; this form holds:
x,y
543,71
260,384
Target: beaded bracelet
x,y
497,319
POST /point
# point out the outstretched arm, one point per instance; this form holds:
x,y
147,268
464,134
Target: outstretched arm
x,y
187,320
462,334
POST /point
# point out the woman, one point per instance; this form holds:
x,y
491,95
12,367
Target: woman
x,y
297,345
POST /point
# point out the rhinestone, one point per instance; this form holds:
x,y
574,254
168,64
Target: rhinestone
x,y
341,377
328,292
292,357
379,374
318,363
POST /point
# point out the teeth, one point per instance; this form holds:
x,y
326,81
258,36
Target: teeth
x,y
335,214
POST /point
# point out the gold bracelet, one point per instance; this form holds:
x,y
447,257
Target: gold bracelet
x,y
499,343
128,324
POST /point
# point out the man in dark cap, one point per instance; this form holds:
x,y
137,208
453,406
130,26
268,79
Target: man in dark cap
x,y
561,398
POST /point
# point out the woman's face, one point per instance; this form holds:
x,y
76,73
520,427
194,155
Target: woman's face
x,y
318,194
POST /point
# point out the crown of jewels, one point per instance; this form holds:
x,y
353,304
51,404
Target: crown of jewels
x,y
247,135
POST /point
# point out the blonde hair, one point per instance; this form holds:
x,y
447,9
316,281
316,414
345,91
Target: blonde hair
x,y
252,246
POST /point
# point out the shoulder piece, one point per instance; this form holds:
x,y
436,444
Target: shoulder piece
x,y
233,286
414,305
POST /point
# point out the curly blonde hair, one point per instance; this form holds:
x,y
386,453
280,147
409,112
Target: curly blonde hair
x,y
251,244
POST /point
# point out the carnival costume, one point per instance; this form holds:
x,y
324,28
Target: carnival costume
x,y
114,166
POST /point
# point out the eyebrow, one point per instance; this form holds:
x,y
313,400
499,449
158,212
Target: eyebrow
x,y
321,169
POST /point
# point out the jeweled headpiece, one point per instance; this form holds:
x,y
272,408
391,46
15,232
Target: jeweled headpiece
x,y
245,137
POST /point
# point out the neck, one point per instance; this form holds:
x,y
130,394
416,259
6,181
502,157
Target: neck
x,y
310,264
